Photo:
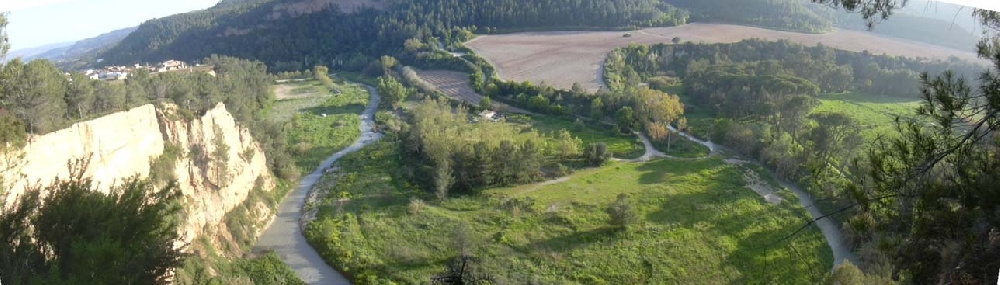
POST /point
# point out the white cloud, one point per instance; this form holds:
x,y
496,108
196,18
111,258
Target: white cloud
x,y
14,5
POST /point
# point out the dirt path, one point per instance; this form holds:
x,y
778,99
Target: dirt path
x,y
651,152
543,184
284,235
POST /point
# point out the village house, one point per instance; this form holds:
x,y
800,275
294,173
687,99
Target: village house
x,y
123,72
171,65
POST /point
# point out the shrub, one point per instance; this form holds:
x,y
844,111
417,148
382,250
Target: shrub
x,y
597,154
416,205
622,212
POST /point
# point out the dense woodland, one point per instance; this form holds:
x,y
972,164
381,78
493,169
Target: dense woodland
x,y
755,77
355,40
450,165
790,15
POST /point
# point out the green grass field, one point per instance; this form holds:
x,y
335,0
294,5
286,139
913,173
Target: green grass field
x,y
311,136
699,225
875,112
681,147
623,146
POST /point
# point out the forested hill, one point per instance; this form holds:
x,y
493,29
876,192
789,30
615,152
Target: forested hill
x,y
296,34
789,15
310,32
78,54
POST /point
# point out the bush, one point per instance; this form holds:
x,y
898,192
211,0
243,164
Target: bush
x,y
416,205
622,213
77,234
597,154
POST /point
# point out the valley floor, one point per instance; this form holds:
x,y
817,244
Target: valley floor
x,y
284,236
699,223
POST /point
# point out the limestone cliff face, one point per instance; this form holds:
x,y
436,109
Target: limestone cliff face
x,y
218,166
221,164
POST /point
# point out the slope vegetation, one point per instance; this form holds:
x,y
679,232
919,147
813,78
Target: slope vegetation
x,y
300,33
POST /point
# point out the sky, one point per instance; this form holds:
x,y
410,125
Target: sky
x,y
982,4
40,22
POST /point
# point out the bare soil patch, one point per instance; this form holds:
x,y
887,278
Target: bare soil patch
x,y
457,85
452,83
560,59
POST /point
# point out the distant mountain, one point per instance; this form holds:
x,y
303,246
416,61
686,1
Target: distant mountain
x,y
947,13
786,15
925,21
32,52
83,52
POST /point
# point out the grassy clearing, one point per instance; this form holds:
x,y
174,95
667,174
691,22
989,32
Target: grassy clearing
x,y
623,146
875,112
699,225
311,135
682,147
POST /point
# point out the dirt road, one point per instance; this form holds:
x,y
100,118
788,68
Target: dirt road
x,y
284,235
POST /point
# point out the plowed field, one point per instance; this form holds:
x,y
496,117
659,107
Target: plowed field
x,y
560,59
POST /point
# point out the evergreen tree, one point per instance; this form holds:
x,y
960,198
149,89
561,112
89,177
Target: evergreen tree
x,y
76,234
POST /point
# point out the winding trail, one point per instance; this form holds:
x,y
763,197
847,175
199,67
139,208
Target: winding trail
x,y
829,227
284,235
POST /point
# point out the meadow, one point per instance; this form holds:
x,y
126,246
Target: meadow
x,y
318,121
876,113
699,224
621,145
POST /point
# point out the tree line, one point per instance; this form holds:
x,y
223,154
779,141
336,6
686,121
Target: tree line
x,y
454,154
630,110
831,69
789,15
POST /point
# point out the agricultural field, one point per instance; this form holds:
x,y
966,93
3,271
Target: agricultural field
x,y
698,223
876,113
458,86
318,121
560,59
454,84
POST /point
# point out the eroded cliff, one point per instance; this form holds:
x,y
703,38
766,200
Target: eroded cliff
x,y
216,162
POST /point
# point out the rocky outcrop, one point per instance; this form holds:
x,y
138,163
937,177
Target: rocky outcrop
x,y
217,163
118,146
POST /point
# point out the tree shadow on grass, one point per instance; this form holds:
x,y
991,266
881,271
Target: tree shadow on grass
x,y
353,109
575,240
755,259
660,171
